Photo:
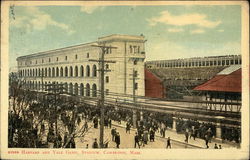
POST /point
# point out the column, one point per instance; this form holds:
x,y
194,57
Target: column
x,y
218,127
174,123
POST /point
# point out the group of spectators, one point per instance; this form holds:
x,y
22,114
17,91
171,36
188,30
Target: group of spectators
x,y
22,132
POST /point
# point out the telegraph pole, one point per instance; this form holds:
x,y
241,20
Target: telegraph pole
x,y
134,77
56,90
102,61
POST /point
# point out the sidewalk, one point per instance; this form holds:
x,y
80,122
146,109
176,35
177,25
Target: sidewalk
x,y
199,143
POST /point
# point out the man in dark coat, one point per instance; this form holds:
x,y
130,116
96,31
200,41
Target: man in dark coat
x,y
113,133
169,142
152,135
95,144
117,140
137,140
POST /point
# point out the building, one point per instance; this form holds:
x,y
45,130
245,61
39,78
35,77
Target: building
x,y
223,87
178,79
71,66
153,85
196,62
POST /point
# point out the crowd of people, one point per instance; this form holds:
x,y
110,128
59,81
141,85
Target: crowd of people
x,y
22,132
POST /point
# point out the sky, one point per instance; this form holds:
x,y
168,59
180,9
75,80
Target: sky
x,y
172,31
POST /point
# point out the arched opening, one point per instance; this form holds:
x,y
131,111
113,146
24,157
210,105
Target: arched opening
x,y
36,72
53,72
39,72
94,71
94,94
82,71
61,72
45,87
87,90
39,85
71,71
81,90
66,72
76,89
46,70
76,71
36,85
87,71
70,88
57,72
49,72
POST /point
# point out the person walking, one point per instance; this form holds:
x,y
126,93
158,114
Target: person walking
x,y
206,141
145,137
186,136
85,126
169,142
152,135
128,127
117,140
113,133
137,140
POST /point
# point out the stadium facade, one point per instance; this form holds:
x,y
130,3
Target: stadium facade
x,y
72,67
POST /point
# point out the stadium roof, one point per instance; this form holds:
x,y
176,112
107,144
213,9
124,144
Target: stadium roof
x,y
228,80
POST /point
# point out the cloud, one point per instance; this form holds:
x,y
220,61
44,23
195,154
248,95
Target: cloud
x,y
221,30
175,30
197,31
197,19
90,9
35,19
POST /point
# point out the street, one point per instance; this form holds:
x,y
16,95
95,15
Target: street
x,y
127,140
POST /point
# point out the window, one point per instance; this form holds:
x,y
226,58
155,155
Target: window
x,y
87,55
107,91
136,85
30,62
232,61
66,58
130,49
135,49
87,71
236,61
94,71
71,72
36,61
135,62
49,59
76,56
107,79
138,49
42,60
76,71
56,58
107,66
223,62
135,73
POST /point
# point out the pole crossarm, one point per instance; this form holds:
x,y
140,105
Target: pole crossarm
x,y
101,70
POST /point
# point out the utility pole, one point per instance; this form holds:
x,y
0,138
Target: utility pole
x,y
102,61
134,77
56,90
